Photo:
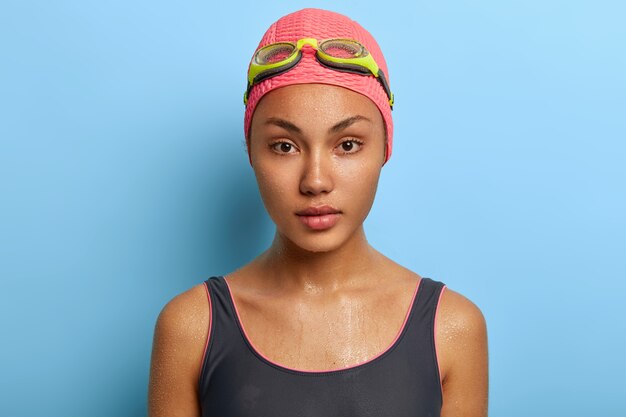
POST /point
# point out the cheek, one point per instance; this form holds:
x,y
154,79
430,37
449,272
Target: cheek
x,y
359,182
275,188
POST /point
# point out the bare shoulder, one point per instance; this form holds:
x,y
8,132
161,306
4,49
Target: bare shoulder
x,y
458,316
178,348
461,341
185,313
182,326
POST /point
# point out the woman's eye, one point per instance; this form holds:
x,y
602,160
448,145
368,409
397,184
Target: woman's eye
x,y
350,146
283,147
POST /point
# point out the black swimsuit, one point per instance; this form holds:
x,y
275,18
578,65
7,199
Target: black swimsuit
x,y
238,381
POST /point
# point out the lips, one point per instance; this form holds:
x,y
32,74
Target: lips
x,y
319,217
318,211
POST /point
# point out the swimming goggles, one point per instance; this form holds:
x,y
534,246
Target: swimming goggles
x,y
339,54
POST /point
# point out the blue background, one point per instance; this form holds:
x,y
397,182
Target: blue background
x,y
124,181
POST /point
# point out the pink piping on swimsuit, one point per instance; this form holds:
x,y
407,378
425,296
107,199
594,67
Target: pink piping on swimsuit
x,y
435,338
406,317
208,336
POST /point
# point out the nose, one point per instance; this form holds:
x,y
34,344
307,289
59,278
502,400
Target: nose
x,y
316,176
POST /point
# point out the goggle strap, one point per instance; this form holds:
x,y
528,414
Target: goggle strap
x,y
383,80
357,69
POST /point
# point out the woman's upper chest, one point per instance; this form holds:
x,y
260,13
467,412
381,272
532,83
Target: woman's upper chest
x,y
324,330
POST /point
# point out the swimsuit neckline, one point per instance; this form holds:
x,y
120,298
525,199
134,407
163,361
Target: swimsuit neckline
x,y
374,359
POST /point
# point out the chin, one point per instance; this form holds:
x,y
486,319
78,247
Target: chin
x,y
319,247
316,242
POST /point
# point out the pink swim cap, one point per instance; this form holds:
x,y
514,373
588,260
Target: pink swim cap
x,y
322,24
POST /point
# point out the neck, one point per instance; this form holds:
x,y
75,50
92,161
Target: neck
x,y
299,269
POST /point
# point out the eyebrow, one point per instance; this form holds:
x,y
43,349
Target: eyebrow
x,y
284,124
344,124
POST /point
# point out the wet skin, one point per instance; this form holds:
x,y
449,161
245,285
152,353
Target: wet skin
x,y
318,299
304,155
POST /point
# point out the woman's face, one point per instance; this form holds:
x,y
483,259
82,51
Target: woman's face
x,y
314,145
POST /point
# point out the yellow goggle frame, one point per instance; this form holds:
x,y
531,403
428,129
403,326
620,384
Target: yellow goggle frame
x,y
361,63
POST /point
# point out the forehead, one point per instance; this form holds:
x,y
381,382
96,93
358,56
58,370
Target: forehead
x,y
315,103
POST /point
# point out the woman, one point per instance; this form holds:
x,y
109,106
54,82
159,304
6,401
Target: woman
x,y
320,324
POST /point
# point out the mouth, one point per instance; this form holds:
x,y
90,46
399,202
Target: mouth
x,y
319,217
